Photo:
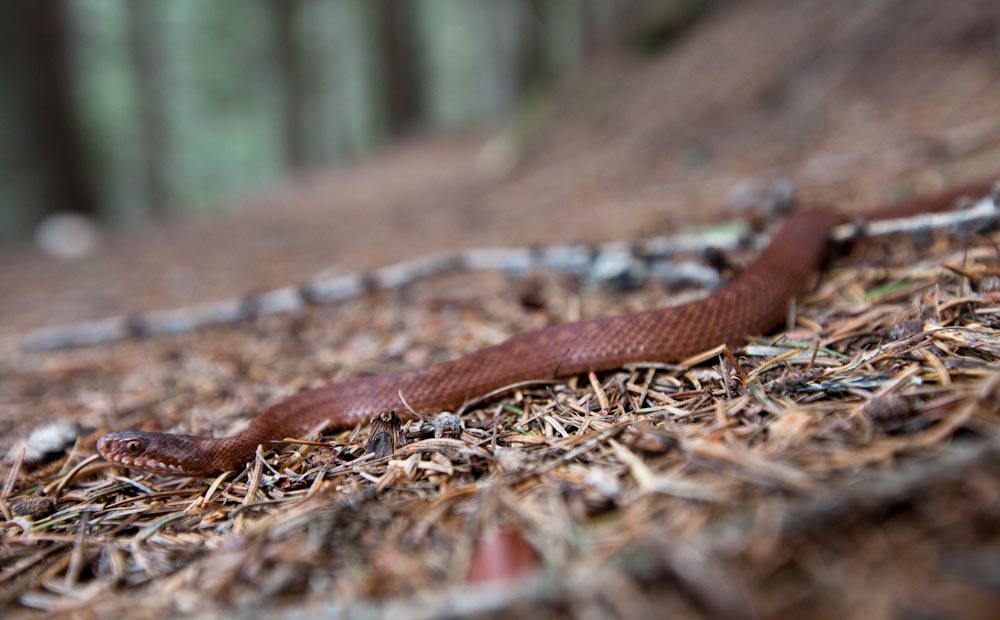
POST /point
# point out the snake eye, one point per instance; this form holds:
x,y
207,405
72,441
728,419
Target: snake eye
x,y
133,446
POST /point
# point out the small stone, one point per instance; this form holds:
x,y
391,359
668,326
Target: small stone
x,y
46,442
447,424
33,508
904,329
890,410
988,284
67,236
645,438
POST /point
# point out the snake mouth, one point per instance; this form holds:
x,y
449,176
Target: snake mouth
x,y
143,464
131,450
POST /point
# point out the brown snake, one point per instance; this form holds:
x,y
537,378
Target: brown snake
x,y
752,303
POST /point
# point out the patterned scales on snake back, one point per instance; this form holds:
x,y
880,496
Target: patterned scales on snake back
x,y
752,303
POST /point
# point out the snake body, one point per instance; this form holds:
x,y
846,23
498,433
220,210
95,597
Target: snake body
x,y
752,303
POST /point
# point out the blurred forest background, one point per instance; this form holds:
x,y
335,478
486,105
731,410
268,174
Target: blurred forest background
x,y
127,110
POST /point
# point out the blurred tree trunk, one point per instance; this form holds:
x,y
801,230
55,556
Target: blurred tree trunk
x,y
145,55
292,80
532,67
399,70
58,132
47,169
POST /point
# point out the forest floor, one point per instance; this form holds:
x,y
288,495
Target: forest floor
x,y
722,502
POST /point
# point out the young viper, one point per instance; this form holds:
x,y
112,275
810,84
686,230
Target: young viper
x,y
752,303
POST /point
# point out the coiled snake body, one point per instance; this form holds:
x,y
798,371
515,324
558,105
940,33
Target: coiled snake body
x,y
752,303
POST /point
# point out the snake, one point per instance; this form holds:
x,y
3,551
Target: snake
x,y
752,303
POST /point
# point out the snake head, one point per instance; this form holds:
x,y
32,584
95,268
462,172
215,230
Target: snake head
x,y
180,455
